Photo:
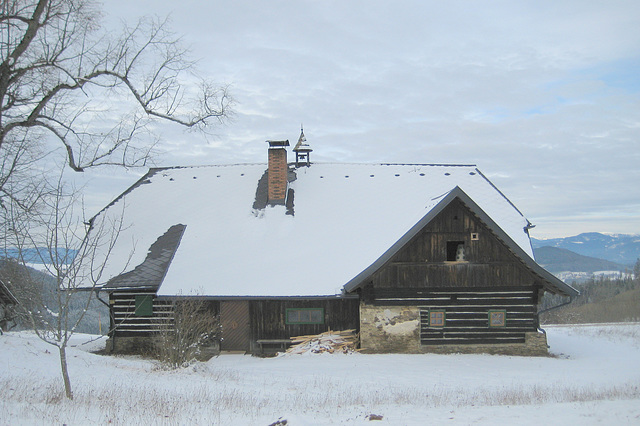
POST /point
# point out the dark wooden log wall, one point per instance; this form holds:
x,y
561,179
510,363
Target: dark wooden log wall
x,y
423,261
124,320
467,312
268,319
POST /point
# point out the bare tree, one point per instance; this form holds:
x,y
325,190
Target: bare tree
x,y
59,73
74,96
190,333
67,251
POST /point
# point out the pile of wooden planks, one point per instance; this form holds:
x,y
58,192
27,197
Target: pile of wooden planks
x,y
328,342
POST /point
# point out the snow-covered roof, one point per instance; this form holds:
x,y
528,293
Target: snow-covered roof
x,y
345,217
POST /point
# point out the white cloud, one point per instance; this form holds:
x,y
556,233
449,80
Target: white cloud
x,y
536,93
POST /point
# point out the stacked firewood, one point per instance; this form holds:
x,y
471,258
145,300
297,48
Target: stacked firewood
x,y
328,342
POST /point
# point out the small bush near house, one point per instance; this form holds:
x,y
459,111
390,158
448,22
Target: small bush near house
x,y
191,334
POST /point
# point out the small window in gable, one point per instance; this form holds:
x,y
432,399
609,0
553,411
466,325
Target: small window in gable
x,y
305,316
497,318
455,251
437,318
144,305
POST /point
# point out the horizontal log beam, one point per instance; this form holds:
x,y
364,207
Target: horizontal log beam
x,y
529,325
474,330
427,342
434,290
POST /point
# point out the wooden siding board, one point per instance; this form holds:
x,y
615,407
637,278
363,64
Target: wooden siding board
x,y
485,341
125,322
467,320
236,327
269,322
422,261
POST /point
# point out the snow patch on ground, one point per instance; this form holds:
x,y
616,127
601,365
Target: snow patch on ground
x,y
592,378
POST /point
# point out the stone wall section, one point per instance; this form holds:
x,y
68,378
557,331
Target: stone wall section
x,y
145,346
130,345
389,329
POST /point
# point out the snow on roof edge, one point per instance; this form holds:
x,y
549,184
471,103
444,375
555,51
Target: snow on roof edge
x,y
435,199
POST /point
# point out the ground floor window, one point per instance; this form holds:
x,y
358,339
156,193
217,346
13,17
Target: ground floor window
x,y
497,318
144,305
305,316
437,318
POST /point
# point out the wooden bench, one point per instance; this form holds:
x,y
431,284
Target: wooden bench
x,y
281,344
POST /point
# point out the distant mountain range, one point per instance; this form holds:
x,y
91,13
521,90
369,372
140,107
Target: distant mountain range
x,y
556,260
39,255
620,249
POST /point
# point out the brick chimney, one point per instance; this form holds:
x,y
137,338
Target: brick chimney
x,y
277,171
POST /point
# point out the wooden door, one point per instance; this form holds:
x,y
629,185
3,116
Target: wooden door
x,y
236,331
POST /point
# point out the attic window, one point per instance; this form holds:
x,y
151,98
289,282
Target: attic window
x,y
455,251
305,316
144,305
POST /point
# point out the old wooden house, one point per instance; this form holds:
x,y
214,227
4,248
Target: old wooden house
x,y
416,257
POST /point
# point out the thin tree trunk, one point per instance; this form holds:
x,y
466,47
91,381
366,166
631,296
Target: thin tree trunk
x,y
65,372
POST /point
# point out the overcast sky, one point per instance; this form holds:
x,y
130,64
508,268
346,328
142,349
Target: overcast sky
x,y
543,96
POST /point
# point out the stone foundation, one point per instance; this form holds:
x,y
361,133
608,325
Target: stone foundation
x,y
396,329
144,345
130,345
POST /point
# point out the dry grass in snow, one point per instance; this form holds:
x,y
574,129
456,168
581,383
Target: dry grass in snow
x,y
595,369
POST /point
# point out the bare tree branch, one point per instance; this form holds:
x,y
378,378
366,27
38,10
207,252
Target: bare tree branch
x,y
75,96
56,60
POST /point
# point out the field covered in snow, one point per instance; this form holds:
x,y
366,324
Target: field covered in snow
x,y
593,377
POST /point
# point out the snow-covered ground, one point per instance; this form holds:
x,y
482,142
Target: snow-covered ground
x,y
593,378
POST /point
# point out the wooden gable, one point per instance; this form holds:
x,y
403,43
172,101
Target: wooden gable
x,y
427,261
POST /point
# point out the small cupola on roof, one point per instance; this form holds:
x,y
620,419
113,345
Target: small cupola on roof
x,y
302,150
277,172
